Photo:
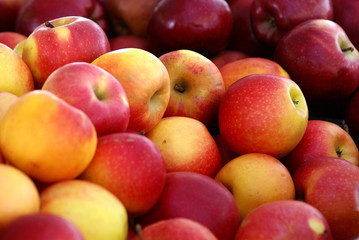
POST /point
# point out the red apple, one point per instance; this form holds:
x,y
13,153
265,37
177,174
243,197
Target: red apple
x,y
129,41
199,198
176,229
203,26
8,13
227,56
129,17
272,19
332,186
61,41
131,167
95,92
243,37
176,138
345,14
196,86
35,12
320,58
11,39
263,113
226,152
41,226
322,139
284,219
146,82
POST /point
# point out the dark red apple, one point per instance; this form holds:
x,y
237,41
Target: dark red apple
x,y
35,12
203,26
321,59
129,41
352,115
272,19
197,197
243,37
346,15
8,12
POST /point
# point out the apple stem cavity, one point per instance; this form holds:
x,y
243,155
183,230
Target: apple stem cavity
x,y
138,230
348,49
179,88
339,152
49,25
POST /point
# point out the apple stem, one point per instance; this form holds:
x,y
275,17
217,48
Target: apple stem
x,y
351,49
49,25
138,231
179,88
339,152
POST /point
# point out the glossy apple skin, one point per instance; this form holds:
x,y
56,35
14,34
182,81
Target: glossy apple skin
x,y
196,86
8,13
322,139
204,26
197,197
284,219
311,56
131,167
272,19
257,114
72,39
176,229
36,12
11,39
345,14
41,226
94,91
243,37
176,136
332,186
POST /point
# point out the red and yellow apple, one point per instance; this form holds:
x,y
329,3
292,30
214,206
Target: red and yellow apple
x,y
11,39
6,100
255,179
263,113
146,83
196,86
227,56
61,41
94,91
186,145
46,137
131,167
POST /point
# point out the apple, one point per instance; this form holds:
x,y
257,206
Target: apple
x,y
197,197
15,188
263,113
196,86
243,38
8,12
11,39
15,75
272,19
332,186
284,219
227,56
238,69
226,152
320,58
204,26
351,115
345,14
41,226
129,41
61,41
131,167
255,179
19,48
176,229
322,139
6,101
56,142
94,91
146,83
33,13
95,211
129,17
176,138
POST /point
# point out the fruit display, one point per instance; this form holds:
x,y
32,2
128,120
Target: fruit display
x,y
168,119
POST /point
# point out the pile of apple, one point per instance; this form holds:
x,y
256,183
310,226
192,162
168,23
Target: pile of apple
x,y
168,119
